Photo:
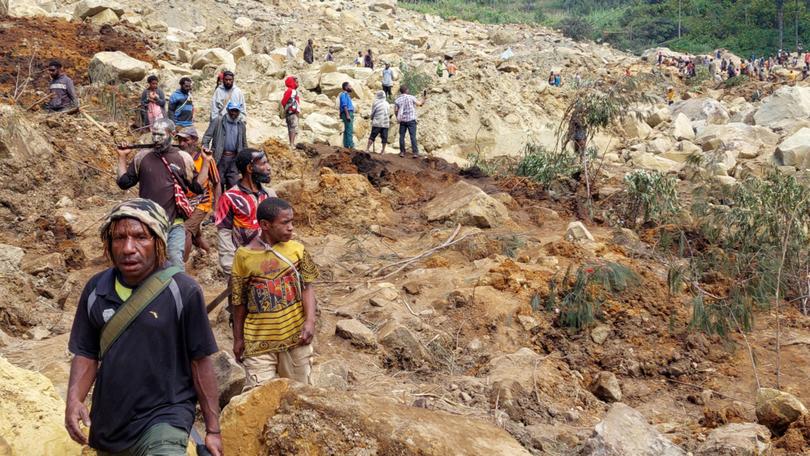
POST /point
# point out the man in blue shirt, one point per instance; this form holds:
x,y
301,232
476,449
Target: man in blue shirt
x,y
347,115
181,107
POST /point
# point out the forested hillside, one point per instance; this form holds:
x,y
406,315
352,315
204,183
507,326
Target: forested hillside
x,y
744,26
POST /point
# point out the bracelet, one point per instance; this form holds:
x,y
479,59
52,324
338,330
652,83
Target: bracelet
x,y
212,432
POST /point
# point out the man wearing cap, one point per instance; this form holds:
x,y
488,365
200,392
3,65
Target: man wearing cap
x,y
224,95
155,342
225,137
159,172
204,202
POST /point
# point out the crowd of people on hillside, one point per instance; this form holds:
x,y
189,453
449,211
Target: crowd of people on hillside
x,y
721,67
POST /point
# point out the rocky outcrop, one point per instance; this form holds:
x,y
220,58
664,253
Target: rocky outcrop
x,y
682,127
635,127
777,409
468,205
217,57
21,8
286,418
117,66
88,8
737,439
32,414
795,150
623,432
786,105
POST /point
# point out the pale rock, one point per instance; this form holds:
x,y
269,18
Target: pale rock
x,y
739,137
176,70
243,22
105,17
310,80
468,205
528,323
321,125
330,374
682,152
283,417
87,8
240,48
715,114
43,264
501,37
726,181
356,332
577,231
332,85
230,376
624,432
117,66
383,6
795,150
682,127
213,56
737,439
359,73
21,8
600,332
259,67
784,106
659,146
700,109
508,66
328,67
777,409
403,346
155,23
32,415
11,258
606,387
658,117
635,127
656,163
416,39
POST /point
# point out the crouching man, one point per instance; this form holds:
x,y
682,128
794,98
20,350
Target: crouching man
x,y
273,300
147,322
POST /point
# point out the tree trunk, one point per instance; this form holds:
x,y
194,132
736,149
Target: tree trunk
x,y
780,21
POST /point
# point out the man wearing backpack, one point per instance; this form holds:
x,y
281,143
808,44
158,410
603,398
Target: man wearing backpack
x,y
148,324
291,104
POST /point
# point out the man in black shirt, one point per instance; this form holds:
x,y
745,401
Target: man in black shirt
x,y
154,372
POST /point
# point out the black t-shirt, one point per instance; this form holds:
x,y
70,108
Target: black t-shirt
x,y
145,378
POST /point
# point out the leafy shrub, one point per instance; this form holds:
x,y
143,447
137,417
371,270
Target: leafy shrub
x,y
650,195
546,167
576,28
413,78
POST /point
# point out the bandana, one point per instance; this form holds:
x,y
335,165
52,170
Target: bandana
x,y
146,211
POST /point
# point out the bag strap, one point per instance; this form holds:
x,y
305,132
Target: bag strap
x,y
133,307
225,103
171,173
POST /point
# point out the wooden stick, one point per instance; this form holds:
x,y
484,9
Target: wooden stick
x,y
93,121
404,263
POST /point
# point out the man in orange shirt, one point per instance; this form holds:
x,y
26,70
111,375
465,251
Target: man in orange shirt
x,y
204,202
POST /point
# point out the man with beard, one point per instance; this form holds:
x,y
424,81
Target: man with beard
x,y
62,91
203,203
181,105
226,94
141,335
226,136
164,174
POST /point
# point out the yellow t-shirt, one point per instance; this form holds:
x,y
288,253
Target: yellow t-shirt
x,y
271,290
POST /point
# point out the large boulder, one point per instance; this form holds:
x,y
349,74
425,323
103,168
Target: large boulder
x,y
213,56
777,409
795,150
655,163
381,6
746,140
332,84
88,8
321,125
501,37
402,346
468,205
624,432
282,417
21,8
259,67
682,127
701,109
635,127
240,48
105,17
737,439
230,376
32,415
784,106
117,66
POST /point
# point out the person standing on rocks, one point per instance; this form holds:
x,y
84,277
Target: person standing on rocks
x,y
62,92
347,115
274,300
329,57
225,95
387,79
236,210
451,69
309,52
148,324
153,102
203,203
181,105
225,137
368,60
380,121
163,174
291,103
405,109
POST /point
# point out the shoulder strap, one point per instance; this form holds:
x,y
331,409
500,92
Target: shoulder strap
x,y
227,100
133,307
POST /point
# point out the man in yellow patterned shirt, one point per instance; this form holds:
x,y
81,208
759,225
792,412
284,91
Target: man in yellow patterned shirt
x,y
273,300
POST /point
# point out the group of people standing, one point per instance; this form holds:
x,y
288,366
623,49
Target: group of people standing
x,y
720,67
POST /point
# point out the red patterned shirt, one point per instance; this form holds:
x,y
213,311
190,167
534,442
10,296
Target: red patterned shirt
x,y
236,212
